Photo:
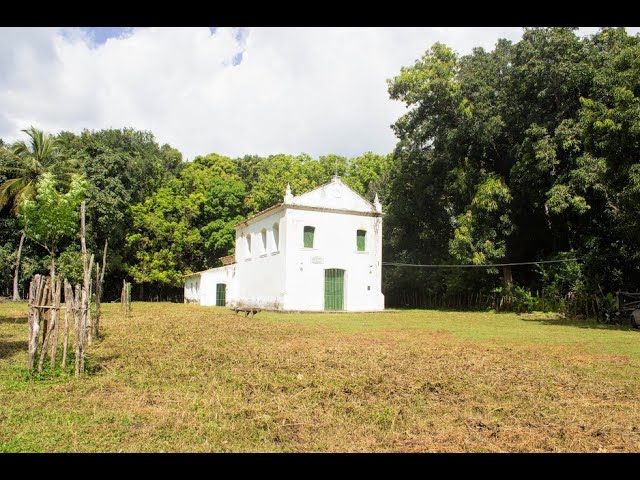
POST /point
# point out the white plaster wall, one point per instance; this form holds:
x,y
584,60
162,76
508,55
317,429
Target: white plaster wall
x,y
334,247
205,294
192,288
334,195
261,273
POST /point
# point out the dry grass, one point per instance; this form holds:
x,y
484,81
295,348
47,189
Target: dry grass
x,y
189,378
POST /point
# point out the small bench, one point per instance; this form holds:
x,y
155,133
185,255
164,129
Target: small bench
x,y
247,310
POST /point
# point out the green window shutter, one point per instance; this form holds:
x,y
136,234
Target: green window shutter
x,y
308,236
360,240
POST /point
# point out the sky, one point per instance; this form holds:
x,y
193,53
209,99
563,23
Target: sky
x,y
231,91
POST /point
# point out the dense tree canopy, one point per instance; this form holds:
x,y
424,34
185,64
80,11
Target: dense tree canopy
x,y
267,178
52,216
187,224
525,152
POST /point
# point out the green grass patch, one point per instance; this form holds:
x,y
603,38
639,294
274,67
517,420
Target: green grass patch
x,y
179,377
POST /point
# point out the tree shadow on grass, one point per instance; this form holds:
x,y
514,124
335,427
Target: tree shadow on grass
x,y
97,365
9,347
585,323
19,319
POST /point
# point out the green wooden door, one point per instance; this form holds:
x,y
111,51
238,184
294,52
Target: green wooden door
x,y
221,294
333,289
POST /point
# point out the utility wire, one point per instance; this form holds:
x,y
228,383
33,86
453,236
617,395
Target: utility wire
x,y
393,264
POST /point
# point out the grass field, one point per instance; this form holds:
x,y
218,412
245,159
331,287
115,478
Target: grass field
x,y
188,378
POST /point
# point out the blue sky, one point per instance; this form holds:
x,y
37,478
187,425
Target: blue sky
x,y
232,91
100,34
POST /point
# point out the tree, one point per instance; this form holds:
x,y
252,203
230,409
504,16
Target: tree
x,y
123,167
24,166
52,216
7,264
247,168
267,178
369,174
273,175
527,151
187,224
479,238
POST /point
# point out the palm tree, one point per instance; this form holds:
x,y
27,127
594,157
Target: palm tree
x,y
26,164
28,161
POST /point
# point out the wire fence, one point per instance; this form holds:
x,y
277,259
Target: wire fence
x,y
574,305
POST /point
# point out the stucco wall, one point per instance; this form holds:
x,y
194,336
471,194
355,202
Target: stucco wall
x,y
192,286
333,195
334,247
261,272
205,293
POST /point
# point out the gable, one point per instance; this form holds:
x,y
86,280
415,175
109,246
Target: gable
x,y
335,195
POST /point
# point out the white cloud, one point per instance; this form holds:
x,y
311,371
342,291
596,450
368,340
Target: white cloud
x,y
313,90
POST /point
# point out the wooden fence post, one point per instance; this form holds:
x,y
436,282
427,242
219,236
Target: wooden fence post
x,y
125,299
37,293
99,287
69,306
55,319
79,337
86,311
51,325
86,271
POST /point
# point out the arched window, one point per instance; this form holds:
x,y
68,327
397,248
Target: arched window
x,y
248,244
361,237
309,233
276,237
263,236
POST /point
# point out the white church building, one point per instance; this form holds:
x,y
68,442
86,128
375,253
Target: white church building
x,y
321,250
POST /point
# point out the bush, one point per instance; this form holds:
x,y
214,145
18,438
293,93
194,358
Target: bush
x,y
521,300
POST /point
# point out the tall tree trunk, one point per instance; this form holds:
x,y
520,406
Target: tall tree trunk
x,y
16,293
52,273
506,273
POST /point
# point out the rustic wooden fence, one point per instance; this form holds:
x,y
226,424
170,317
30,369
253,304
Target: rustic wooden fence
x,y
44,316
44,311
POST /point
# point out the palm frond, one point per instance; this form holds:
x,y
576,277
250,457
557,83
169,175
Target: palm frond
x,y
11,170
11,189
28,192
20,149
38,155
